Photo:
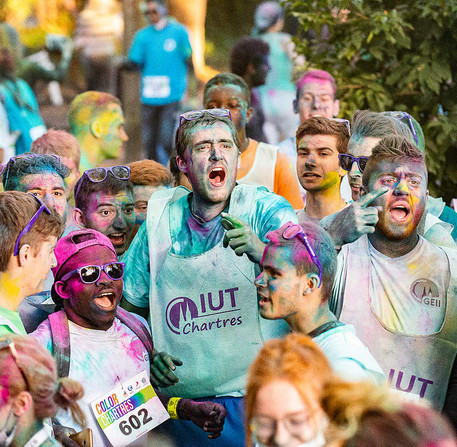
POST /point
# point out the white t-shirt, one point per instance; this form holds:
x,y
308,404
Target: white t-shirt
x,y
407,294
100,360
348,356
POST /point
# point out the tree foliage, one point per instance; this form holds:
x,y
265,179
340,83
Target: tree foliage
x,y
392,55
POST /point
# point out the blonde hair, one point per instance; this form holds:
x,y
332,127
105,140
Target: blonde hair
x,y
366,415
35,371
295,358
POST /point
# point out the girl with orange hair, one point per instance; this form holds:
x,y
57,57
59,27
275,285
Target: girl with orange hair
x,y
285,385
30,392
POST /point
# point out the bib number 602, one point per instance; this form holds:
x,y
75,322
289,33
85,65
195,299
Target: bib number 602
x,y
134,422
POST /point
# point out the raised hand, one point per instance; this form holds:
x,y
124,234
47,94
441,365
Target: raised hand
x,y
241,238
356,219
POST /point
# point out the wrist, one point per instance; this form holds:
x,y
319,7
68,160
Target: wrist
x,y
183,409
172,407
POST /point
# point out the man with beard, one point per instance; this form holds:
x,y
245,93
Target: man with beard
x,y
397,288
360,217
192,266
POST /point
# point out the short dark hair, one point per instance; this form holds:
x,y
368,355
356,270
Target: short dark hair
x,y
16,210
247,50
35,164
228,79
111,185
182,137
319,125
323,246
394,149
308,76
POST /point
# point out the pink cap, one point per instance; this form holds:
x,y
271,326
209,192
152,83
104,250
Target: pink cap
x,y
76,241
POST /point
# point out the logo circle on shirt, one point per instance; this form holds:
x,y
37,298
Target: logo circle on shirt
x,y
179,311
426,292
169,45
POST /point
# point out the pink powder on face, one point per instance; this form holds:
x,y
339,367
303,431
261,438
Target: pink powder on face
x,y
319,77
4,391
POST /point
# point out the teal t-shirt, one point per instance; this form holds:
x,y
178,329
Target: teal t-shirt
x,y
10,323
162,55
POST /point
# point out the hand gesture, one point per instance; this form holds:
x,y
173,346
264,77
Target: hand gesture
x,y
241,238
356,219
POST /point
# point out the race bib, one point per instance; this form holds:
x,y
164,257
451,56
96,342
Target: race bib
x,y
156,87
129,411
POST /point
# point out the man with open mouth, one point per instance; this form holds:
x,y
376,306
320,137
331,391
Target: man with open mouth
x,y
299,265
320,141
98,344
191,268
397,288
104,202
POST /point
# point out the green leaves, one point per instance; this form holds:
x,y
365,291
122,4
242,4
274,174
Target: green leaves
x,y
393,55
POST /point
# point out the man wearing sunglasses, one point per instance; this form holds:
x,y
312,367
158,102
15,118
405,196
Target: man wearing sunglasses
x,y
299,266
192,266
104,202
27,239
319,143
44,177
96,343
397,288
360,217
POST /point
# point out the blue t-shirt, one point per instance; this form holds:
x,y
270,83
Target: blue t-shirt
x,y
22,111
190,237
162,56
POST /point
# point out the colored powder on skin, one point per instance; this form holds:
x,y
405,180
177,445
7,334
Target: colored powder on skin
x,y
5,389
331,179
9,286
311,79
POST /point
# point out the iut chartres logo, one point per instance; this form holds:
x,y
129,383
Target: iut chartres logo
x,y
211,311
426,292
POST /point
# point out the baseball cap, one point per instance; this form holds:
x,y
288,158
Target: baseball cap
x,y
76,241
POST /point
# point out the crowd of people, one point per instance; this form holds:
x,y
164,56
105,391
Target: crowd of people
x,y
226,290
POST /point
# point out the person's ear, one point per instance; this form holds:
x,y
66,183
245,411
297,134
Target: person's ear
x,y
25,253
181,164
79,218
312,283
295,104
249,114
61,289
250,69
336,107
22,402
96,128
